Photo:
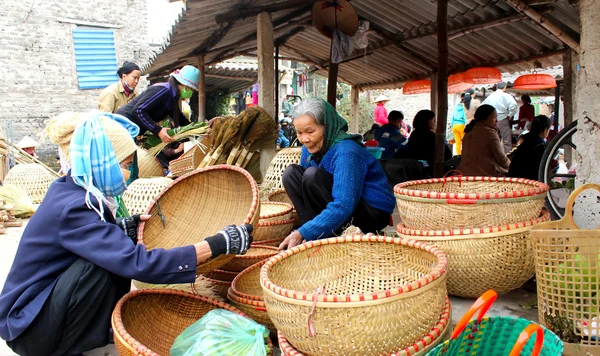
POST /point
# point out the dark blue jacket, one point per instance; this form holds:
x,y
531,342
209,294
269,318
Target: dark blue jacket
x,y
389,137
64,229
151,106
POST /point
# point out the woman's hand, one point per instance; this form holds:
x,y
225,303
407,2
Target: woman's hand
x,y
293,239
164,136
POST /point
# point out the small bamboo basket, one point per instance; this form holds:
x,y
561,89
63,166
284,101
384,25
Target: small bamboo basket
x,y
220,275
189,161
498,258
142,192
355,295
281,196
468,202
273,230
146,322
254,255
274,242
32,178
280,162
438,334
568,276
212,198
274,211
148,165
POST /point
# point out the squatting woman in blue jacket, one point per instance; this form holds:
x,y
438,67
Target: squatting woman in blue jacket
x,y
338,182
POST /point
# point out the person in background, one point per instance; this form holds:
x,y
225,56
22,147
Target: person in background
x,y
526,112
381,114
119,94
255,94
483,154
471,104
459,120
282,141
28,145
390,137
161,100
506,108
370,134
338,182
421,143
528,155
75,260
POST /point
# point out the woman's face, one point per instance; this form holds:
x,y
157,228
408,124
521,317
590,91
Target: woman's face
x,y
132,79
492,120
310,134
127,162
431,124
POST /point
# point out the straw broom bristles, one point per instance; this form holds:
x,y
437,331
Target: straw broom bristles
x,y
229,138
262,133
247,118
21,203
217,124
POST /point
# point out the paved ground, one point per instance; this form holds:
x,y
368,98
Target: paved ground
x,y
509,304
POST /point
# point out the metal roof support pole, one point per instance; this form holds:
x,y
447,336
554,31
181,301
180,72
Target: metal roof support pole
x,y
266,78
201,90
354,110
442,87
433,92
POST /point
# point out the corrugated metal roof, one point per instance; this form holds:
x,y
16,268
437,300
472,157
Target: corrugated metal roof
x,y
403,45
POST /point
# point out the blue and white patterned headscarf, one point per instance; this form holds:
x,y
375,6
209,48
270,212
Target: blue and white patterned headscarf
x,y
94,165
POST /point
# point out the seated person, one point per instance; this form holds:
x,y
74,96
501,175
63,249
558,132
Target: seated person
x,y
370,135
483,153
338,182
390,137
527,157
75,260
421,143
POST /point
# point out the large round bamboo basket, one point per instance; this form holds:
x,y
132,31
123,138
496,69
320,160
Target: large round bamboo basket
x,y
148,165
254,255
281,196
142,192
438,334
272,230
198,205
468,202
189,161
274,211
280,162
146,322
32,178
498,258
567,265
274,242
221,275
375,293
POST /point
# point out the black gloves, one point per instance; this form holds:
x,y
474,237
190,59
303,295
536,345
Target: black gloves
x,y
130,226
231,240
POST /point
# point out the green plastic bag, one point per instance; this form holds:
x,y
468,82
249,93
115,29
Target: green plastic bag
x,y
221,332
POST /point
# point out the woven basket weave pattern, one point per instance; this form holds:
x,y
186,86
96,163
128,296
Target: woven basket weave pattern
x,y
274,242
280,162
272,230
397,289
142,192
274,211
467,202
32,178
281,196
148,165
254,255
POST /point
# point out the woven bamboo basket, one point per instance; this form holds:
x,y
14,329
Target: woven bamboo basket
x,y
498,258
568,275
254,255
467,202
272,230
146,322
208,287
221,275
355,295
280,162
148,165
281,196
438,334
189,161
32,178
142,192
274,242
211,198
274,211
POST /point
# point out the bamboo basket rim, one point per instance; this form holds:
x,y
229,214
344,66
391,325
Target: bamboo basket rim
x,y
241,274
250,302
253,257
263,243
403,191
134,345
275,223
288,209
354,300
470,233
436,332
275,192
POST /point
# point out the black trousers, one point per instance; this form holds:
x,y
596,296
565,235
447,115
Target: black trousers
x,y
310,190
76,316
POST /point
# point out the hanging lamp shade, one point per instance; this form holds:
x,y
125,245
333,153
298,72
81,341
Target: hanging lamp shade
x,y
483,75
535,81
329,14
417,87
457,83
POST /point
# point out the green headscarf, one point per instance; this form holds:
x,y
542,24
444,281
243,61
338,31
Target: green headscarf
x,y
335,131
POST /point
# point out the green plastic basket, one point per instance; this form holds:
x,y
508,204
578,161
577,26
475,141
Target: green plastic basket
x,y
498,335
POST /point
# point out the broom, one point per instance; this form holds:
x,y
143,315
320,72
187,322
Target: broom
x,y
178,137
253,168
262,133
218,130
15,196
247,118
230,138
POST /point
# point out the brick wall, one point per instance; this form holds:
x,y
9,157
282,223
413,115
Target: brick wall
x,y
37,62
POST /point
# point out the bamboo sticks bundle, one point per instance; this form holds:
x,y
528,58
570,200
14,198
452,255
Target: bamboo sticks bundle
x,y
21,156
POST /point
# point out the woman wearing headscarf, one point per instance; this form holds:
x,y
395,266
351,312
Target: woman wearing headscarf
x,y
527,157
75,260
119,94
338,182
483,153
162,100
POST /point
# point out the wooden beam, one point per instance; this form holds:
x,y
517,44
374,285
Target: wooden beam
x,y
239,14
202,90
433,94
541,2
332,81
354,110
213,39
230,77
467,30
545,23
442,88
568,85
266,78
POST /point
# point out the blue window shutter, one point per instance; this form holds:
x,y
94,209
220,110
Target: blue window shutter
x,y
95,58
